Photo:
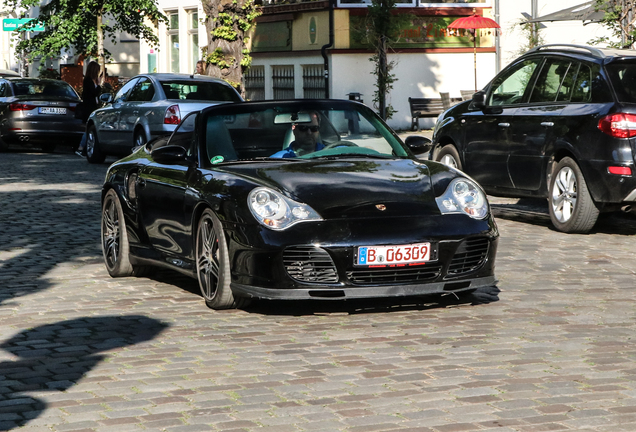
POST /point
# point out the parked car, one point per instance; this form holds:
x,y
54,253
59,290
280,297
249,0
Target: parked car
x,y
362,217
8,73
38,112
147,107
558,123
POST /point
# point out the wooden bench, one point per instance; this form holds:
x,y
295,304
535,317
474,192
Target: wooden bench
x,y
426,107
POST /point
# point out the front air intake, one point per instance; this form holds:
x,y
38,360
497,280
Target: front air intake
x,y
470,255
309,264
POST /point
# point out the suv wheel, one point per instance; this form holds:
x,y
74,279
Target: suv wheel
x,y
572,209
448,156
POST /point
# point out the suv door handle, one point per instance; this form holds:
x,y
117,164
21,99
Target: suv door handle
x,y
504,125
547,124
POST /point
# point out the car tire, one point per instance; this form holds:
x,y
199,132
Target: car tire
x,y
94,153
448,155
213,264
115,247
572,209
139,138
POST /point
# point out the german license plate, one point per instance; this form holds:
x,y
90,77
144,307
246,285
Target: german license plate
x,y
51,110
391,255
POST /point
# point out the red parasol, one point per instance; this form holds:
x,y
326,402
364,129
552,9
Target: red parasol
x,y
474,22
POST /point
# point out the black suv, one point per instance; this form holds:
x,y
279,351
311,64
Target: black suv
x,y
559,122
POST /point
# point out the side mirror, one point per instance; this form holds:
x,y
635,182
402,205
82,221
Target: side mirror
x,y
169,154
418,144
106,97
479,99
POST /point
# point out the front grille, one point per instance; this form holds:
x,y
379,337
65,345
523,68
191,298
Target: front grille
x,y
394,275
309,264
470,255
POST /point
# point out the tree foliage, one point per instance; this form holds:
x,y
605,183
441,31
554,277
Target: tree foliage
x,y
620,19
382,30
229,24
83,24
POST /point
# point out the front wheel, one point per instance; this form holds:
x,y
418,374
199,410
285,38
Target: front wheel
x,y
213,264
448,155
140,139
94,153
572,209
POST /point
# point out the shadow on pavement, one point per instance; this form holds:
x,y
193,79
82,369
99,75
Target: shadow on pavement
x,y
50,215
535,212
54,357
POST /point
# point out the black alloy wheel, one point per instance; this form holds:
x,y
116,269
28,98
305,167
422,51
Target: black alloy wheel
x,y
115,247
213,264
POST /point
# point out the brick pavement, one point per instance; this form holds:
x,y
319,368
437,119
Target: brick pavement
x,y
80,351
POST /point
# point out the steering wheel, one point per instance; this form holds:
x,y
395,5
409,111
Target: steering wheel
x,y
341,144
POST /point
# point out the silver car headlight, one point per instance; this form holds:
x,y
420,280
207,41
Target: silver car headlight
x,y
276,211
463,196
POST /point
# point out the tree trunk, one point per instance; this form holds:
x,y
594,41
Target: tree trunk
x,y
227,40
382,77
100,46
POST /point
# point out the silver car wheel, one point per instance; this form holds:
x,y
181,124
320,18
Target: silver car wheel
x,y
90,143
449,160
564,193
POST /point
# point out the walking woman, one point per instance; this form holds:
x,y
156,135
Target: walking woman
x,y
90,93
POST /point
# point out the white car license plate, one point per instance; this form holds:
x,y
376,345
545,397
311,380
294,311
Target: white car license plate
x,y
51,110
391,255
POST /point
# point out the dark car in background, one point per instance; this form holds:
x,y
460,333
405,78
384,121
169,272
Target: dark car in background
x,y
38,112
360,218
149,106
559,123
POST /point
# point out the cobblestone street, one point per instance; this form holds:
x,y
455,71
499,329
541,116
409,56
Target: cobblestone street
x,y
80,351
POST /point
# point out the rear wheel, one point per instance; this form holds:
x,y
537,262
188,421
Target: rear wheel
x,y
572,209
448,155
213,264
93,152
114,237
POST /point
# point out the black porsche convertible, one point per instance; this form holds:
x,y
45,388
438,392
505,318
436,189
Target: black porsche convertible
x,y
302,199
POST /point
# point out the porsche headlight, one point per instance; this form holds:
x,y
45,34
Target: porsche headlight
x,y
463,196
276,211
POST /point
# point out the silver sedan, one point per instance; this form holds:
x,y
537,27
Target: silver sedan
x,y
149,106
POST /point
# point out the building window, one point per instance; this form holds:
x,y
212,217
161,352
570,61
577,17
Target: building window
x,y
313,82
283,82
173,41
255,83
193,38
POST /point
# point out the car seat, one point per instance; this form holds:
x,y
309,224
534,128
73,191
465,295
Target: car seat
x,y
218,140
172,94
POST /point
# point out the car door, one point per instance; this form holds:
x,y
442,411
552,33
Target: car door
x,y
535,123
107,119
487,131
161,190
139,96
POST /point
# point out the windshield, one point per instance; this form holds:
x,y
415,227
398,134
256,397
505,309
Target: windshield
x,y
199,90
281,133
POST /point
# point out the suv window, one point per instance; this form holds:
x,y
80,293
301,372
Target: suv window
x,y
623,78
551,83
510,88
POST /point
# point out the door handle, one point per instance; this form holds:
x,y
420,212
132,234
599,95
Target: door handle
x,y
141,182
505,125
547,124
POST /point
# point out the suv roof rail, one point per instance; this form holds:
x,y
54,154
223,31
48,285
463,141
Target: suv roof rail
x,y
594,51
